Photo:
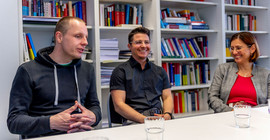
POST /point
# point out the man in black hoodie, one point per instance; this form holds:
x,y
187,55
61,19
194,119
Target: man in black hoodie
x,y
56,92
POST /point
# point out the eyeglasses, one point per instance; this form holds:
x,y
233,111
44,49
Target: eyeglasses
x,y
237,48
140,42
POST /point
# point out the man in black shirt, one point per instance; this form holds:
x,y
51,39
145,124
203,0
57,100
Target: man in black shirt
x,y
137,85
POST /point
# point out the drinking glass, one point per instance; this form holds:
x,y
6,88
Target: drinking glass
x,y
242,116
154,127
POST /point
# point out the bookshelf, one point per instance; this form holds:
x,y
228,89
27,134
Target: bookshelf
x,y
261,11
211,11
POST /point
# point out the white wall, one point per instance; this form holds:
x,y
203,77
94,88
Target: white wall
x,y
9,56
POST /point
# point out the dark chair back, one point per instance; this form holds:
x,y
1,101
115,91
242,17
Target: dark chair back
x,y
113,116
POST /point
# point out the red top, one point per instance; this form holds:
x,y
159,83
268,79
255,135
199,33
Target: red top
x,y
243,90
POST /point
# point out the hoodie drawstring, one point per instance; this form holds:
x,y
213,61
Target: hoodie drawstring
x,y
56,86
57,89
77,85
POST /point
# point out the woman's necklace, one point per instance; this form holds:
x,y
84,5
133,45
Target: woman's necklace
x,y
246,74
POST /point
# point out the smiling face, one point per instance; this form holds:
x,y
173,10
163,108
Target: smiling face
x,y
73,42
140,46
241,52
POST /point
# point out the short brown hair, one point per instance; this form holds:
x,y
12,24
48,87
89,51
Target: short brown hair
x,y
137,30
63,24
249,39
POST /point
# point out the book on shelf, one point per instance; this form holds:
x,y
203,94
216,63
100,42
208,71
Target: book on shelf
x,y
122,14
190,100
241,22
195,47
53,8
119,13
41,19
169,47
127,8
176,102
188,47
228,52
187,74
175,20
171,74
183,19
178,47
31,54
129,25
30,46
134,16
101,15
184,48
177,74
172,46
168,51
241,2
25,49
28,35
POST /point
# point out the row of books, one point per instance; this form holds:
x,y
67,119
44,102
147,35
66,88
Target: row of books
x,y
117,14
29,51
183,19
241,2
190,100
54,8
109,49
241,22
187,74
184,48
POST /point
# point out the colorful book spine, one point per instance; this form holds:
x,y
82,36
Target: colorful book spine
x,y
31,54
168,50
176,103
183,47
171,74
25,49
32,44
117,14
84,13
122,14
177,74
127,8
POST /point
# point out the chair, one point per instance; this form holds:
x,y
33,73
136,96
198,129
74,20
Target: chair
x,y
113,116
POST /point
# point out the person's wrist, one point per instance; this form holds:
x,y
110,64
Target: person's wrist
x,y
52,122
168,113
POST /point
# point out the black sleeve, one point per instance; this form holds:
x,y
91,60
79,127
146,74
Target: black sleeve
x,y
117,81
18,121
92,102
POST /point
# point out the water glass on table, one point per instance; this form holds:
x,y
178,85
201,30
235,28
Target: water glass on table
x,y
154,127
242,115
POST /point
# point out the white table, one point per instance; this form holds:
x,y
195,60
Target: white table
x,y
220,126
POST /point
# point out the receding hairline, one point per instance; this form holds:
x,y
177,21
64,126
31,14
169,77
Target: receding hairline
x,y
64,24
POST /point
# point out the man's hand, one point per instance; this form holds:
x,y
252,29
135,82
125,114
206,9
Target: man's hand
x,y
165,116
82,121
62,120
